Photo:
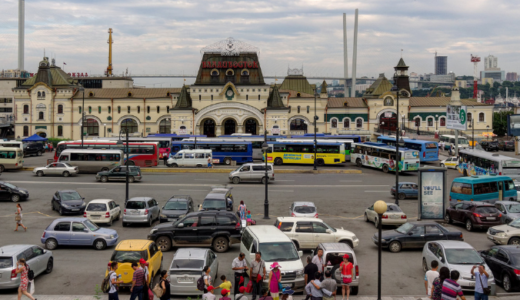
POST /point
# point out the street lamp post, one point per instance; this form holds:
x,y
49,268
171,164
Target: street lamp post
x,y
127,161
265,147
437,122
315,129
380,208
397,141
383,127
82,89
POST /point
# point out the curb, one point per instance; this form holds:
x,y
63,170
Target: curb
x,y
204,170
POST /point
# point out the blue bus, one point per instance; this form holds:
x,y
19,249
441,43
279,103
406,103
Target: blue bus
x,y
222,152
322,136
429,151
175,137
487,188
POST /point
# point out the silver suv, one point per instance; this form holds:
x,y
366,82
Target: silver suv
x,y
333,256
252,172
143,210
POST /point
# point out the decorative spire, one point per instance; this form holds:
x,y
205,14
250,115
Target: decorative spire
x,y
184,101
275,100
324,87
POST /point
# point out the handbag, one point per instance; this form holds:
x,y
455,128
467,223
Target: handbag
x,y
486,290
157,290
17,218
249,287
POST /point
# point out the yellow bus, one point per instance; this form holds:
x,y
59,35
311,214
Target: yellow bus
x,y
303,153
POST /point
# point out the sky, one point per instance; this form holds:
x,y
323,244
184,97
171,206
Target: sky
x,y
165,37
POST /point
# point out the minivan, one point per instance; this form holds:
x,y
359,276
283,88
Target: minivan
x,y
275,246
252,172
220,198
487,188
190,158
143,210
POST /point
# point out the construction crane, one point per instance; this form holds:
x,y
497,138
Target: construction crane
x,y
475,60
110,41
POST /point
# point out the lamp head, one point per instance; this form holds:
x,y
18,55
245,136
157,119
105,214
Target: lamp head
x,y
380,207
264,146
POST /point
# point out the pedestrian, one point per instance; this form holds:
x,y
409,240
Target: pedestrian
x,y
239,265
112,293
165,158
224,293
275,280
309,270
481,281
313,288
318,261
430,276
210,165
346,275
242,210
451,289
23,268
209,293
143,265
138,282
46,147
257,274
207,278
225,285
265,295
436,292
242,294
330,285
287,293
248,216
18,217
165,285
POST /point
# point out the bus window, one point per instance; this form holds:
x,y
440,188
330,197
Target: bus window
x,y
240,148
461,188
485,188
430,146
64,158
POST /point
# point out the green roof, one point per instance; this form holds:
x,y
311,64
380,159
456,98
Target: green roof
x,y
275,100
401,64
184,101
49,75
379,87
297,83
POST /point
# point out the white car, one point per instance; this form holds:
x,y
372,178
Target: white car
x,y
307,233
103,211
303,210
450,163
393,215
58,168
505,234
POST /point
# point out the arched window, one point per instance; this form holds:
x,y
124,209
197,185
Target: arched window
x,y
469,116
334,123
346,123
389,101
119,109
481,117
167,109
129,125
247,97
92,127
26,109
26,131
308,108
200,97
298,109
298,124
60,109
158,109
430,122
90,109
60,130
211,97
417,122
99,109
43,94
359,123
442,122
128,108
259,97
39,94
40,115
165,126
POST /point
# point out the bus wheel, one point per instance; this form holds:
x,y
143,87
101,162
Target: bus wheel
x,y
385,168
359,163
227,161
2,168
278,161
320,162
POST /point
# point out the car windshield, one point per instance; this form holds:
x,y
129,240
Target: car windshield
x,y
127,256
515,223
393,208
463,256
214,204
405,228
278,251
176,205
9,185
513,208
66,196
90,225
96,207
187,264
304,209
136,205
6,262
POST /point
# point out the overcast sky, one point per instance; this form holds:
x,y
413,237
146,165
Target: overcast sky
x,y
165,37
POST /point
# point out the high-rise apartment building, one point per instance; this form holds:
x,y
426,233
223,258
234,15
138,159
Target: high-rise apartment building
x,y
512,76
441,65
491,63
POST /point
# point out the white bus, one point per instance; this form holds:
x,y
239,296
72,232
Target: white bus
x,y
450,140
480,162
11,144
11,158
92,160
348,144
382,156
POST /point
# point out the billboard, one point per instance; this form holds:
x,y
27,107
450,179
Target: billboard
x,y
431,193
456,117
513,125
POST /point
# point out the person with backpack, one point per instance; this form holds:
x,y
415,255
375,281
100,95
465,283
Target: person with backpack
x,y
113,282
207,278
23,269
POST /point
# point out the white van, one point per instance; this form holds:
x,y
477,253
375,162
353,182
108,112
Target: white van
x,y
275,246
92,160
11,158
190,158
450,140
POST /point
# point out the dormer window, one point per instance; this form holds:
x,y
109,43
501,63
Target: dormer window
x,y
345,104
91,94
129,94
298,95
168,94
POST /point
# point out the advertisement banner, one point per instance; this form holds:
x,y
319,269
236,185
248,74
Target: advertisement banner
x,y
513,125
456,117
431,197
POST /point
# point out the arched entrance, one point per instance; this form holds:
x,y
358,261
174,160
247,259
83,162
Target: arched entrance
x,y
230,126
298,124
208,128
42,134
388,121
250,126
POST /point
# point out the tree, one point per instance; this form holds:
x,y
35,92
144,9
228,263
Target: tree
x,y
500,122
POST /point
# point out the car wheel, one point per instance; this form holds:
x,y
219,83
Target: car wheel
x,y
506,283
51,244
15,198
39,153
100,244
394,247
514,241
125,224
131,179
66,174
220,244
278,161
236,180
227,161
469,225
50,266
448,219
354,290
424,265
104,178
366,218
2,168
385,168
40,173
264,180
359,163
60,211
164,243
402,196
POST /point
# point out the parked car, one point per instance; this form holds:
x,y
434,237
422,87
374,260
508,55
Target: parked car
x,y
175,208
450,163
218,229
307,233
62,169
130,251
12,192
33,149
510,210
393,215
68,202
474,215
103,211
186,268
333,256
220,198
119,174
39,261
303,210
489,145
459,256
506,145
415,235
141,210
406,190
252,172
77,232
504,262
508,234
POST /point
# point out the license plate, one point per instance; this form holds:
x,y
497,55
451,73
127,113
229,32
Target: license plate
x,y
95,217
185,279
75,209
471,283
491,218
395,217
170,219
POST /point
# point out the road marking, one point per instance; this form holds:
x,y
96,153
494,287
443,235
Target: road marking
x,y
376,191
280,191
207,179
284,180
193,190
350,180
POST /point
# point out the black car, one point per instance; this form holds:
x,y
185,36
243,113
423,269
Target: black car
x,y
415,235
504,262
33,149
220,198
489,145
218,229
506,145
176,207
12,192
68,202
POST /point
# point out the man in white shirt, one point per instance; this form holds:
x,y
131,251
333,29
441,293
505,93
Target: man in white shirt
x,y
318,261
239,265
430,276
112,293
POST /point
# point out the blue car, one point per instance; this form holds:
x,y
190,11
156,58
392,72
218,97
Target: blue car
x,y
78,232
406,190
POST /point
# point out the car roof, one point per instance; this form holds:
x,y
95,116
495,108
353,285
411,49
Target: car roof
x,y
506,202
66,191
101,201
140,199
268,233
423,223
509,248
293,219
131,245
302,203
178,198
13,249
407,182
335,247
70,219
454,244
191,253
202,212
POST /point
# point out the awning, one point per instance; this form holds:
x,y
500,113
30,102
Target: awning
x,y
488,134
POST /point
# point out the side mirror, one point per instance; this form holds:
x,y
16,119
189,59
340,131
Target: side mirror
x,y
82,198
300,254
328,230
442,259
180,225
410,233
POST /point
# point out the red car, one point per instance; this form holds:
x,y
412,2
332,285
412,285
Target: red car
x,y
474,215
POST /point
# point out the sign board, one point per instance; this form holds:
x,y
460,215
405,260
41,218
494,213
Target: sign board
x,y
275,130
513,125
388,114
456,117
183,131
432,193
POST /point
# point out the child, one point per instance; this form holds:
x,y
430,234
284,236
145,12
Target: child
x,y
225,285
248,222
209,295
225,294
248,216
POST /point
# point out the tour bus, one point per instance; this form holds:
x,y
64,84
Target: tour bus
x,y
322,136
176,137
428,150
11,158
92,160
450,140
141,154
163,142
346,142
11,144
223,152
486,188
480,162
303,153
382,156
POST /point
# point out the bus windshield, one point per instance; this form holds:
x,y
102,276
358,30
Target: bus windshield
x,y
510,164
